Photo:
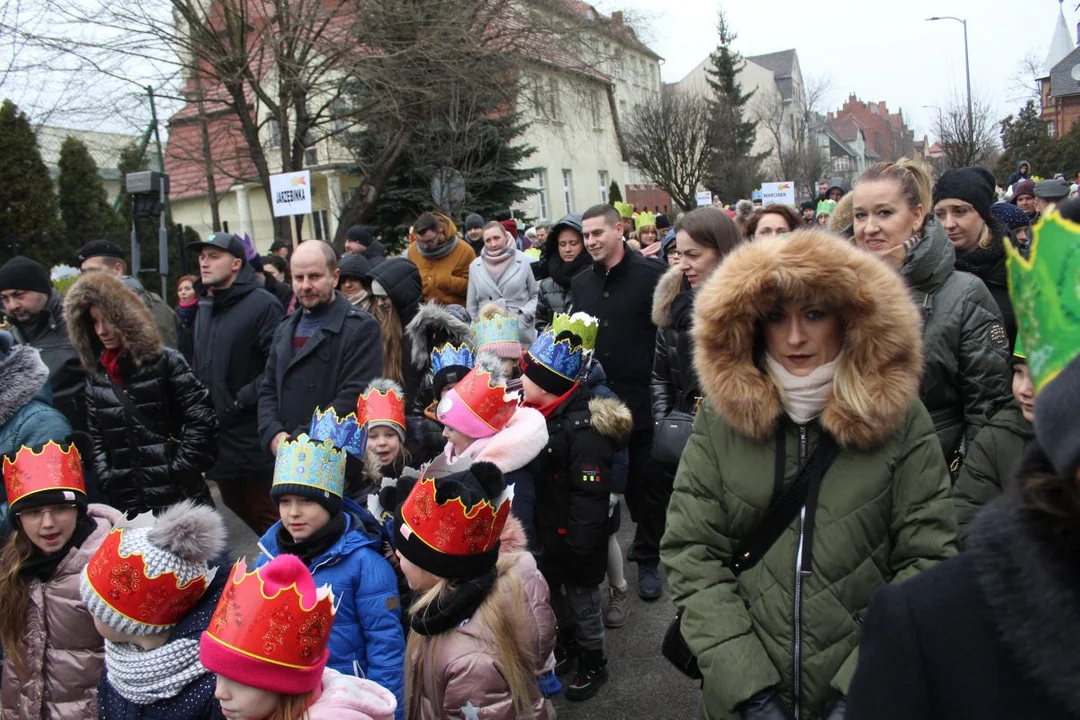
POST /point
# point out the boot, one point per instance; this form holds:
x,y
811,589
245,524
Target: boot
x,y
566,653
618,607
591,674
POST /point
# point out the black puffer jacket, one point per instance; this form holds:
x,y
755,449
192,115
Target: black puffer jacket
x,y
143,463
988,264
674,381
555,296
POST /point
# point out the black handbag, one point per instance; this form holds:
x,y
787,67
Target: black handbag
x,y
782,511
670,436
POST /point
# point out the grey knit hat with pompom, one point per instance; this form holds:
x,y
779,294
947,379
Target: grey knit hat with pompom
x,y
182,540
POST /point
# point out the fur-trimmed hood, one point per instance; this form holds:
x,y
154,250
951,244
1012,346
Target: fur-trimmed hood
x,y
518,443
670,285
122,309
24,376
434,326
612,419
882,348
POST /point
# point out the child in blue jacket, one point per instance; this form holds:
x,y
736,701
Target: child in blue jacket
x,y
340,543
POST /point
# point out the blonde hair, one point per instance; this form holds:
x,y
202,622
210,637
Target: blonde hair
x,y
293,707
843,214
502,616
390,328
913,180
13,589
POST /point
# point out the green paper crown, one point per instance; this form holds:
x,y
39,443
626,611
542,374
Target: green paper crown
x,y
826,206
643,219
626,210
581,324
1045,292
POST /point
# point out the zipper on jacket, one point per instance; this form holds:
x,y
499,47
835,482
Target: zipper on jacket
x,y
796,685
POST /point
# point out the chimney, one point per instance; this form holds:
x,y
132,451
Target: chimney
x,y
617,17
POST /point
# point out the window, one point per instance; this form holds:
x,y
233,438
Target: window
x,y
320,225
273,129
311,150
567,201
1051,129
594,109
553,98
541,192
603,187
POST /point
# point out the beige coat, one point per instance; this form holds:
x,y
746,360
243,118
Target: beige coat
x,y
465,676
64,654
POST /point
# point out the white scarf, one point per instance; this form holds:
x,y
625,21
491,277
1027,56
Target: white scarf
x,y
804,397
146,676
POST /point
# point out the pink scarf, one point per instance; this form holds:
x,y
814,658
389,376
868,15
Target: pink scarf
x,y
497,262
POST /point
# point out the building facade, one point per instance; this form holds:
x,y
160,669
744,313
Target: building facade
x,y
886,134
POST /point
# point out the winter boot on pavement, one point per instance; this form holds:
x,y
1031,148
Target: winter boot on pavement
x,y
591,674
650,584
566,653
618,607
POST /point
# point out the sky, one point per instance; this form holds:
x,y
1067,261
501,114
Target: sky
x,y
879,51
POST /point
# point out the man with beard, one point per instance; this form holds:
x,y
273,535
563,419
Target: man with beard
x,y
322,356
35,310
233,330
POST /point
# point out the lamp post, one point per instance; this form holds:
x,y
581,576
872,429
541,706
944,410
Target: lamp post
x,y
967,67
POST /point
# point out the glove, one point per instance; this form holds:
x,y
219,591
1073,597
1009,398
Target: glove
x,y
838,710
765,705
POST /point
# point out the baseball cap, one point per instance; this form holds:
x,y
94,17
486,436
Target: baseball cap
x,y
97,248
223,241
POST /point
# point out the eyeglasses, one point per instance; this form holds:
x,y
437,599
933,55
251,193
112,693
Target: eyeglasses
x,y
35,515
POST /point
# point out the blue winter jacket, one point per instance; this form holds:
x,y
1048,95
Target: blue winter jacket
x,y
367,638
196,701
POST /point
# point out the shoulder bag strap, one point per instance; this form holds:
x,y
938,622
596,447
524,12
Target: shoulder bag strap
x,y
785,507
136,414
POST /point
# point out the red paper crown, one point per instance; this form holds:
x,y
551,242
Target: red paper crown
x,y
382,407
124,584
452,528
53,468
275,629
487,399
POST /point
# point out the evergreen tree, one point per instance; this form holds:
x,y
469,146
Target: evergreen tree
x,y
28,218
1025,138
85,212
614,194
735,168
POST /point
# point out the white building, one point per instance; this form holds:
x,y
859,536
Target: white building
x,y
104,148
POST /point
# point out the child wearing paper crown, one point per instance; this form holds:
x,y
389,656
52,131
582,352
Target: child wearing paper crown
x,y
482,628
497,332
267,645
53,655
151,591
340,543
573,490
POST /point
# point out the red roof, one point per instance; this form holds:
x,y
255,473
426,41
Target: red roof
x,y
184,157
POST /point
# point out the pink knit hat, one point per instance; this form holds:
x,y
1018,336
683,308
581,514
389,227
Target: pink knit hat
x,y
271,628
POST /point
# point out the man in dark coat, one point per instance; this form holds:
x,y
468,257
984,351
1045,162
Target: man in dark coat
x,y
322,356
36,311
618,290
359,241
233,331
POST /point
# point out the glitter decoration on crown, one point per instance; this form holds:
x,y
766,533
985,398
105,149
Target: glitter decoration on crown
x,y
1045,292
348,433
283,627
379,406
499,329
52,467
317,465
487,400
562,356
450,527
451,356
643,219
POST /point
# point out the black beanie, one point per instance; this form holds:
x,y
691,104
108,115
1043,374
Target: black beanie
x,y
1055,420
330,501
473,222
973,185
544,376
359,234
22,273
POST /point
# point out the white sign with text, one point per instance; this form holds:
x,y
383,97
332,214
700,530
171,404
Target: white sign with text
x,y
778,193
291,193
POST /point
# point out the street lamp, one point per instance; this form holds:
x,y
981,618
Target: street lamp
x,y
967,67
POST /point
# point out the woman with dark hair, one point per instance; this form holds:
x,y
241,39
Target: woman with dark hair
x,y
396,294
187,307
772,220
566,257
993,633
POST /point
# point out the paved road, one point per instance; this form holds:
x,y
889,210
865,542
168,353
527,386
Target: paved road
x,y
642,684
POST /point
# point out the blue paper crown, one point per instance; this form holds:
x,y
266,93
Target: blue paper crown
x,y
559,356
451,356
344,433
499,329
317,465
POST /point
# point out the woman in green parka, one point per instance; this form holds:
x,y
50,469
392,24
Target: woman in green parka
x,y
798,336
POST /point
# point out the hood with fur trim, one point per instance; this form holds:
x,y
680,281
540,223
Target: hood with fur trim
x,y
122,309
671,284
434,326
612,419
24,375
882,348
517,444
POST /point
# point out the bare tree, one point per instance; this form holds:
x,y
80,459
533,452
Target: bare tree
x,y
967,138
794,154
1025,82
671,141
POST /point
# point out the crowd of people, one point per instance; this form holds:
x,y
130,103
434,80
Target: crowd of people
x,y
841,431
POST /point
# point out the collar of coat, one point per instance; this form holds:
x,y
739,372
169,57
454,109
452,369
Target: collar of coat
x,y
882,348
121,308
25,374
1026,564
336,312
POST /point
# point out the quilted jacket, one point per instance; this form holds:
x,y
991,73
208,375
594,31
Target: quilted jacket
x,y
141,467
883,512
64,654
